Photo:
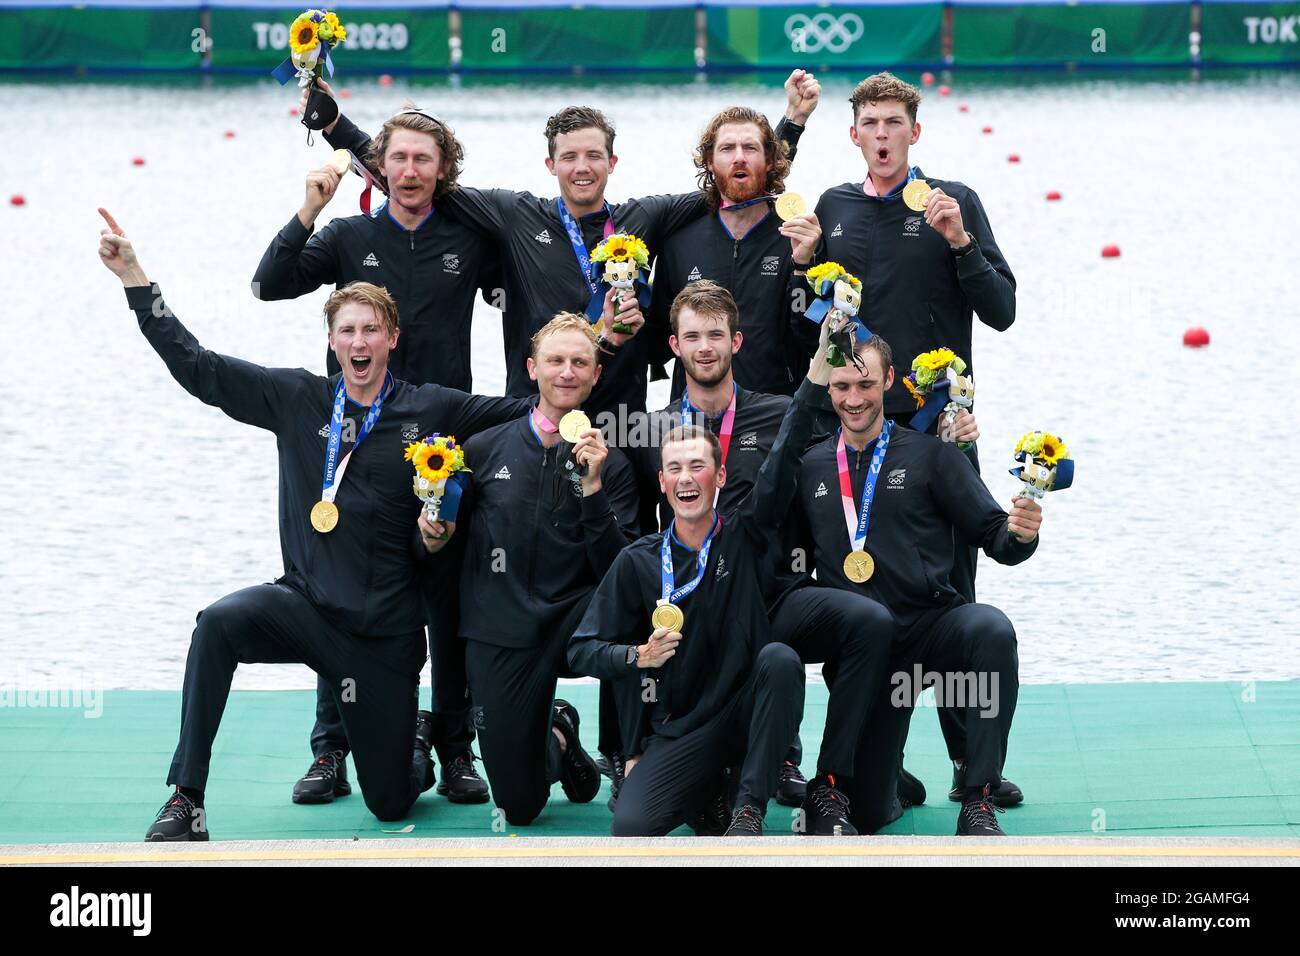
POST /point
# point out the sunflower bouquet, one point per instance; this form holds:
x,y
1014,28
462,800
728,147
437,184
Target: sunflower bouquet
x,y
1043,464
437,460
939,371
313,34
839,295
620,261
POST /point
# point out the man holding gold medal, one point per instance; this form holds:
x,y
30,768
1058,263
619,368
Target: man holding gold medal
x,y
681,622
549,507
352,536
885,505
929,263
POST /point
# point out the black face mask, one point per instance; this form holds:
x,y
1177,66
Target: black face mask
x,y
321,110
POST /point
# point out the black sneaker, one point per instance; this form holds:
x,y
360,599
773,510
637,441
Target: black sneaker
x,y
324,780
615,767
715,815
978,816
180,819
911,792
578,774
826,810
422,755
746,821
460,781
1005,794
791,787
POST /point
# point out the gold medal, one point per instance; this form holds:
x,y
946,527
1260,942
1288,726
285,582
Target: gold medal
x,y
859,566
789,205
669,616
324,516
573,425
341,161
915,194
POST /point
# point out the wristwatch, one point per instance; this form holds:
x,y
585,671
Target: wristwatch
x,y
966,249
633,652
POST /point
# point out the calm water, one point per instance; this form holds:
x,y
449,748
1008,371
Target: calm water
x,y
130,505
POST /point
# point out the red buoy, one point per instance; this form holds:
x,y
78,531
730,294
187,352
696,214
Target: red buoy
x,y
927,78
963,108
293,111
18,200
1110,252
230,134
385,79
344,92
1196,337
1013,158
988,129
138,161
1053,196
944,90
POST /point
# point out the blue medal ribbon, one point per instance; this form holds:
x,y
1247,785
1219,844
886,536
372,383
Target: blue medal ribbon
x,y
668,592
329,487
575,239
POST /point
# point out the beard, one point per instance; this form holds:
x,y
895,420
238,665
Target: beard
x,y
738,190
720,369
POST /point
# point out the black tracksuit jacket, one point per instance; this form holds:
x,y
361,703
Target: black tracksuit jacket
x,y
431,272
916,294
362,576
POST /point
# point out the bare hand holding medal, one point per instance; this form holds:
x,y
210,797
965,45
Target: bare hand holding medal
x,y
589,448
661,646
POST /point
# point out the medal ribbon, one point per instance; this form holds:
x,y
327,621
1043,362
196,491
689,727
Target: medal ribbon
x,y
334,468
858,537
575,239
728,204
666,562
869,188
541,423
689,412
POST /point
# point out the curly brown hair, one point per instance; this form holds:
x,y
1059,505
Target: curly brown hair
x,y
412,118
776,150
573,118
885,87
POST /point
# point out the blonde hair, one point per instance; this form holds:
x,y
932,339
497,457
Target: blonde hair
x,y
363,293
565,322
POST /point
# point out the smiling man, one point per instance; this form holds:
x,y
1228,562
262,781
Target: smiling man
x,y
547,515
352,536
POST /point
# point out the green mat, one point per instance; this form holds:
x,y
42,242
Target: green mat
x,y
1186,759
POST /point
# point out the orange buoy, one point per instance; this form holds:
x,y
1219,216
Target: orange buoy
x,y
138,161
927,78
944,90
1110,252
988,129
344,93
1013,158
385,79
18,200
963,108
1196,337
1053,196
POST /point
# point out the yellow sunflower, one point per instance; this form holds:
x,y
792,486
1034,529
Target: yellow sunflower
x,y
303,35
1053,449
935,360
433,463
638,250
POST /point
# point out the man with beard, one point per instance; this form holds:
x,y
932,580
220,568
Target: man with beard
x,y
431,266
744,247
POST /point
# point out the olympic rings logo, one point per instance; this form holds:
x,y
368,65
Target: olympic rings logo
x,y
823,31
